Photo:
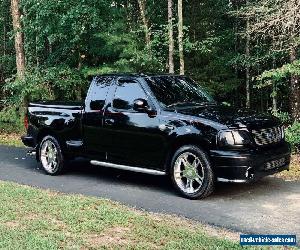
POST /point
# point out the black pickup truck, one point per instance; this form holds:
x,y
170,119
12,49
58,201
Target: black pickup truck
x,y
160,125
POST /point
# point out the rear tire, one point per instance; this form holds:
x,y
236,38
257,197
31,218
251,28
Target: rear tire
x,y
191,172
51,156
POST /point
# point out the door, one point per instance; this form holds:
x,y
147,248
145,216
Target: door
x,y
94,138
135,136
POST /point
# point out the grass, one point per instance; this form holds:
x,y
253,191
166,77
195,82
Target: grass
x,y
294,172
31,218
11,139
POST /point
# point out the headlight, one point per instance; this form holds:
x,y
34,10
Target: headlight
x,y
234,138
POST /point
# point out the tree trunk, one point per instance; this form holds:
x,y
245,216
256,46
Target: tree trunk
x,y
142,6
274,92
180,37
274,99
19,45
171,39
295,90
4,38
247,52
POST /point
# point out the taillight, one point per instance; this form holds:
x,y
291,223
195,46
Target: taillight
x,y
26,121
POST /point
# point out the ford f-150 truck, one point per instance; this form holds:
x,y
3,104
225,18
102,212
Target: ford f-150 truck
x,y
160,125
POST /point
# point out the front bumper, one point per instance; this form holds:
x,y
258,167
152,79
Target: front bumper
x,y
251,165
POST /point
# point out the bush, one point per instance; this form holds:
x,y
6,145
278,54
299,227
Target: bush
x,y
9,115
11,120
56,83
292,134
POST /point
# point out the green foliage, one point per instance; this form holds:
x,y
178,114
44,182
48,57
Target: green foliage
x,y
46,84
11,120
7,64
280,73
66,42
283,116
90,72
62,31
292,134
9,115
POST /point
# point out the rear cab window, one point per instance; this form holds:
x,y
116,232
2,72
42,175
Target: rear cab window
x,y
97,94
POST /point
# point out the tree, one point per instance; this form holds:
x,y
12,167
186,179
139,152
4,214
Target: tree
x,y
19,45
142,6
7,56
102,36
279,22
180,36
295,88
247,53
171,39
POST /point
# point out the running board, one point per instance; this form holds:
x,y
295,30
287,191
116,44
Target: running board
x,y
129,168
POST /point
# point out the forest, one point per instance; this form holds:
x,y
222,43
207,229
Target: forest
x,y
245,53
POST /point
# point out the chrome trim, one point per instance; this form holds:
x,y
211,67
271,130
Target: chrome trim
x,y
49,156
128,168
58,106
188,175
231,181
268,135
75,144
230,156
247,173
227,166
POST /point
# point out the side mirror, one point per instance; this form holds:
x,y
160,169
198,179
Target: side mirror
x,y
141,105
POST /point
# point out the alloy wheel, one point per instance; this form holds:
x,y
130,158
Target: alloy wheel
x,y
49,156
188,173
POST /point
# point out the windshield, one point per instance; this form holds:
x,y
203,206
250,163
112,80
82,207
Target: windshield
x,y
174,91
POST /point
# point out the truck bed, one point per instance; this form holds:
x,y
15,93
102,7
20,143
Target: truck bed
x,y
62,119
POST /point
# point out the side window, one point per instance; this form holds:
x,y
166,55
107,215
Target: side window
x,y
98,92
126,92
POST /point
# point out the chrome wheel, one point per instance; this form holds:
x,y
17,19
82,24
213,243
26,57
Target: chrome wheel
x,y
49,156
188,173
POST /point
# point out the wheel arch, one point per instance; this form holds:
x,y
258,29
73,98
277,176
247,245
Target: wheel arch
x,y
184,141
42,134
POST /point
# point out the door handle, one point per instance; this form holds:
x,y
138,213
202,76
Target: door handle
x,y
109,121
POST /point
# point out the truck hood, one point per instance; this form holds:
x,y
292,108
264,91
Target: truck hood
x,y
233,117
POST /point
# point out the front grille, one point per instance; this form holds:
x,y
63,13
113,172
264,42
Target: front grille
x,y
275,164
267,136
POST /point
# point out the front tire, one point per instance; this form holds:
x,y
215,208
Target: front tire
x,y
51,156
191,172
